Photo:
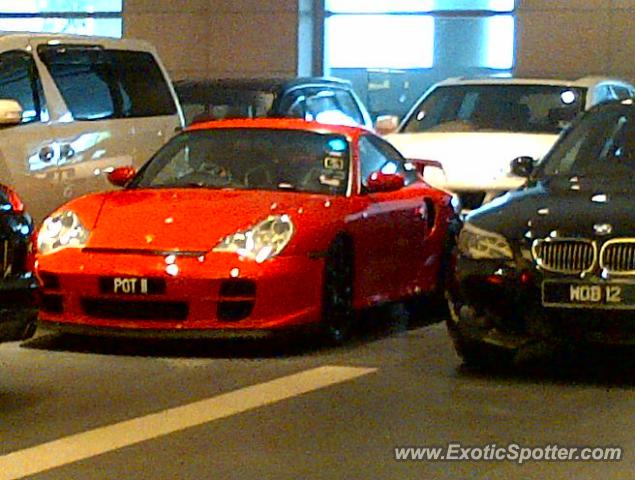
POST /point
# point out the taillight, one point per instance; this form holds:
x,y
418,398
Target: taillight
x,y
13,202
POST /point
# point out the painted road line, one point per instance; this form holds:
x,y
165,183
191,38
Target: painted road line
x,y
63,451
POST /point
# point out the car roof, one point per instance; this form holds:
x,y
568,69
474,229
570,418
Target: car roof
x,y
218,89
280,124
108,42
583,82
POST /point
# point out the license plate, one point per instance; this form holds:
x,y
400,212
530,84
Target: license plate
x,y
590,295
132,286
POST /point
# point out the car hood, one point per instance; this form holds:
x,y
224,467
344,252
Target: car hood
x,y
479,156
186,219
572,209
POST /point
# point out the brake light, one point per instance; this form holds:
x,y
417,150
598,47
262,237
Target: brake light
x,y
12,199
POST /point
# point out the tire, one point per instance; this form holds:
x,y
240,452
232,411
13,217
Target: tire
x,y
472,352
337,299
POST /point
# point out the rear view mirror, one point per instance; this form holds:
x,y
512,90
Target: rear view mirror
x,y
386,124
120,176
10,112
523,166
384,182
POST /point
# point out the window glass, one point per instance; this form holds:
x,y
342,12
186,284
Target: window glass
x,y
342,6
352,41
84,17
602,144
251,159
19,81
32,6
376,155
517,108
97,83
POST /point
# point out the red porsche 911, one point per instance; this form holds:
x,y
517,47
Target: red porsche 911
x,y
245,227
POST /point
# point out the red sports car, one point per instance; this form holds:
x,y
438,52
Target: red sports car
x,y
245,226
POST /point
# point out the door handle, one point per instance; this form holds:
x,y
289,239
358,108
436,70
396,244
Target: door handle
x,y
47,154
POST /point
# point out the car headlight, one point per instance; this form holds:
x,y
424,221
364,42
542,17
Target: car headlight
x,y
477,243
261,242
61,230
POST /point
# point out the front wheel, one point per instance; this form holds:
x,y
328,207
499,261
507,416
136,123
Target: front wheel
x,y
473,352
337,301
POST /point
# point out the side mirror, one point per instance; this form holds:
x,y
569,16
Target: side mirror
x,y
522,166
10,112
384,182
386,124
120,176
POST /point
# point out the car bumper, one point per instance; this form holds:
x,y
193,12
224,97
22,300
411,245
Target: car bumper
x,y
499,304
17,306
215,292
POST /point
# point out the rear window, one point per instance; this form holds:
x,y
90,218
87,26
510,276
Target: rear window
x,y
97,83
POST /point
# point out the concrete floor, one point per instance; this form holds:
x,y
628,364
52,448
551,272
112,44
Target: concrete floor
x,y
53,387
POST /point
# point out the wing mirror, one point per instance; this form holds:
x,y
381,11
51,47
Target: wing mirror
x,y
120,176
10,112
386,124
384,182
523,166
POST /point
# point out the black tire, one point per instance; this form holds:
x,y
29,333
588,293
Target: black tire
x,y
337,299
473,352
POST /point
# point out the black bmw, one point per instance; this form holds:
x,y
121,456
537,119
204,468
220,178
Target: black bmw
x,y
17,283
554,262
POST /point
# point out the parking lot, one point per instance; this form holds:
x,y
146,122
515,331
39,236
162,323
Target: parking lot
x,y
104,409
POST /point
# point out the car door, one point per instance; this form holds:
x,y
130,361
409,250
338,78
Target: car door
x,y
392,228
116,109
26,161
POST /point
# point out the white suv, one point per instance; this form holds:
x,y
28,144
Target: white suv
x,y
73,108
476,127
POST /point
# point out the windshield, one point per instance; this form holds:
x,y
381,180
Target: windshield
x,y
508,108
257,159
602,144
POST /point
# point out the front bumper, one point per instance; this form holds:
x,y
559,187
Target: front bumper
x,y
500,303
215,292
17,306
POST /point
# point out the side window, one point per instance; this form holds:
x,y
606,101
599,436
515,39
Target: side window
x,y
349,106
19,81
140,86
621,92
377,155
98,84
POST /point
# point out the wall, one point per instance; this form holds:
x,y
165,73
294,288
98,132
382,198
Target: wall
x,y
219,38
576,37
241,38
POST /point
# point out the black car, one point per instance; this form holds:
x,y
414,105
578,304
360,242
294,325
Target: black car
x,y
553,264
328,100
17,282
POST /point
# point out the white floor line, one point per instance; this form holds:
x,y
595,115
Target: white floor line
x,y
64,451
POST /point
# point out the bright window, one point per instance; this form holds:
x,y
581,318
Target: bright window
x,y
352,41
390,6
84,17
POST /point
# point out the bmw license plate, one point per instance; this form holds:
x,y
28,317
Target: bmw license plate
x,y
590,295
132,286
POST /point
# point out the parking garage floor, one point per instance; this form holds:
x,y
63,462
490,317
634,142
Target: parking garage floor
x,y
96,409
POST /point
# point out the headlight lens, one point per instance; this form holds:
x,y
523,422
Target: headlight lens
x,y
61,230
261,242
477,243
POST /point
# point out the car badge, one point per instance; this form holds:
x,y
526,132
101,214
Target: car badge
x,y
149,238
603,229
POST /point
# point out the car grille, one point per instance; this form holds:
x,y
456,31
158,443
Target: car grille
x,y
618,256
569,256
